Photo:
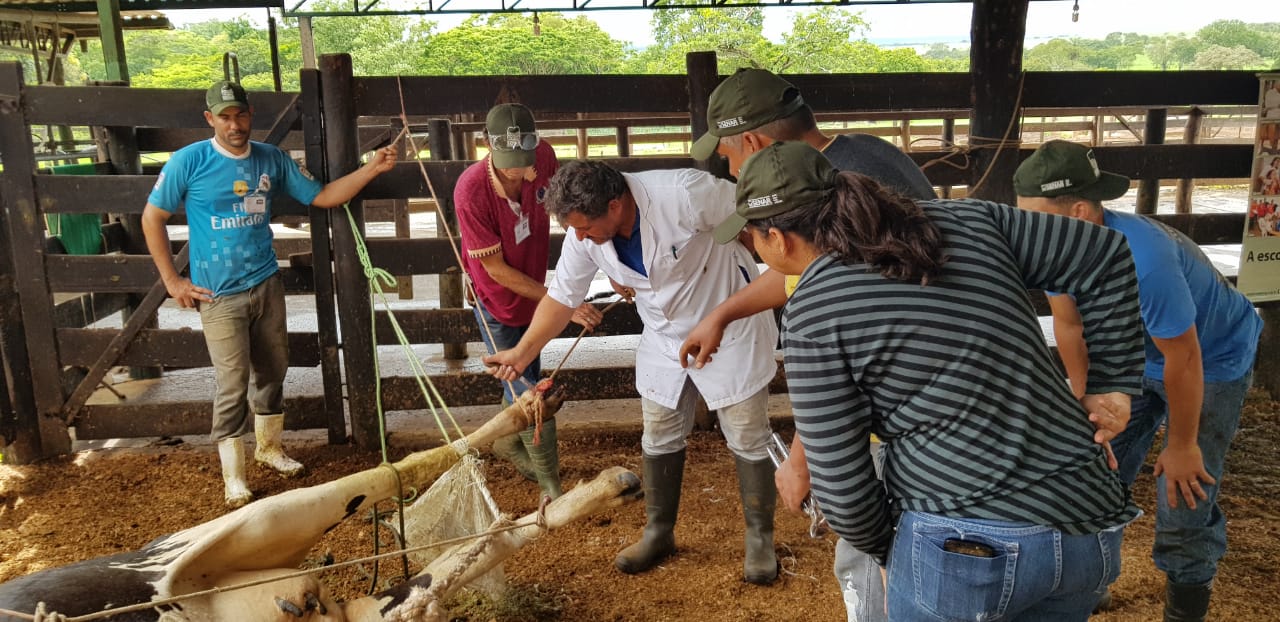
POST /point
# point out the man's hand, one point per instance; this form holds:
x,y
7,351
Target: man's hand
x,y
1109,414
188,295
792,481
702,342
383,159
587,316
1183,470
627,293
506,365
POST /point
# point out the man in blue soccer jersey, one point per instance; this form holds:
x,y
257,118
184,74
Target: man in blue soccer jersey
x,y
227,185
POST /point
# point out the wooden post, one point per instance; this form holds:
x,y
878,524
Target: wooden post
x,y
354,310
623,134
948,141
322,264
45,431
308,42
122,152
438,134
400,216
584,144
274,38
1149,189
703,79
1190,135
18,422
111,27
999,27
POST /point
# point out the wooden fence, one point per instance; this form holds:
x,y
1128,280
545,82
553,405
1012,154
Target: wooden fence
x,y
46,301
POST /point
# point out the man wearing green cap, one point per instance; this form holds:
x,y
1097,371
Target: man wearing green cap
x,y
1201,340
747,112
652,232
227,186
505,239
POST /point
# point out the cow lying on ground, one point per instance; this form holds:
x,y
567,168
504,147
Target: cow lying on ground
x,y
270,538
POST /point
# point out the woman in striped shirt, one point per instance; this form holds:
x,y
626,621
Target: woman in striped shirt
x,y
911,321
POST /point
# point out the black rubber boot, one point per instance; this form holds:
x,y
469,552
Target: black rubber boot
x,y
1186,603
663,476
544,458
759,499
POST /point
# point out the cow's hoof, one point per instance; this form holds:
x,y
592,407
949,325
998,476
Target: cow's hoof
x,y
237,499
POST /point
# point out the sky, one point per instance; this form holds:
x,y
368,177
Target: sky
x,y
919,23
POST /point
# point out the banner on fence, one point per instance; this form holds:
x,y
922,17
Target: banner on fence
x,y
1259,276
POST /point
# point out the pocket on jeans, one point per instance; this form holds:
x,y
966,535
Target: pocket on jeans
x,y
958,584
1109,542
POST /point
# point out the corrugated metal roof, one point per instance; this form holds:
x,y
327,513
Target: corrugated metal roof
x,y
89,6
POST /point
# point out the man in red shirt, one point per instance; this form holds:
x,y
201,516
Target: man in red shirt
x,y
505,239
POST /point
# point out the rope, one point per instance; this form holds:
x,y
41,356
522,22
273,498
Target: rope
x,y
42,615
581,334
983,142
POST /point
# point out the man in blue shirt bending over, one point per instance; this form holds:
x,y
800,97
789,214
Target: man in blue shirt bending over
x,y
1202,336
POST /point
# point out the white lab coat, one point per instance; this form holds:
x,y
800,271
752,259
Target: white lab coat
x,y
689,274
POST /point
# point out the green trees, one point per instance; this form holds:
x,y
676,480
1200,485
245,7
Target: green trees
x,y
505,44
825,39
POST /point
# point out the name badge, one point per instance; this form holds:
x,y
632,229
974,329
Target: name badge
x,y
522,229
255,204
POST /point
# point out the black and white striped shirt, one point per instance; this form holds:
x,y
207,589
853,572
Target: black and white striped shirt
x,y
955,377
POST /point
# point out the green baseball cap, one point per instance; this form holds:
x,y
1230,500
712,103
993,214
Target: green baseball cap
x,y
775,180
513,139
744,101
224,94
1060,168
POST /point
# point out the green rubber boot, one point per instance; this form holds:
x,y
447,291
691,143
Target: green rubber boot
x,y
544,458
511,449
663,476
759,499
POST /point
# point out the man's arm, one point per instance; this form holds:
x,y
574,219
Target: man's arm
x,y
548,320
1180,461
341,190
586,315
187,294
505,275
1068,332
764,293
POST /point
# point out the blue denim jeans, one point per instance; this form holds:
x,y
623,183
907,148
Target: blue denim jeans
x,y
1188,542
1033,572
504,338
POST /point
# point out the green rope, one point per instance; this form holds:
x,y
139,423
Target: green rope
x,y
377,277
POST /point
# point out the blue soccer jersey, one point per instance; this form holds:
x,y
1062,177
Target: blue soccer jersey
x,y
228,202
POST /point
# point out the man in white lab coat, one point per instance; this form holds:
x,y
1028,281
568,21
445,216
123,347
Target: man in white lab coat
x,y
653,232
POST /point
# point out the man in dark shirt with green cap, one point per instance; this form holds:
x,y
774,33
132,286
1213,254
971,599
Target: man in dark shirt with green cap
x,y
747,112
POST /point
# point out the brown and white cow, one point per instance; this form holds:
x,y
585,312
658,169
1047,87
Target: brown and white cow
x,y
270,537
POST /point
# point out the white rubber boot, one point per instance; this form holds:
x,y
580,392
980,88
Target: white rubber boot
x,y
236,490
267,429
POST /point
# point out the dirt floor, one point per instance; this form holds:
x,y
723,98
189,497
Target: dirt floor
x,y
103,502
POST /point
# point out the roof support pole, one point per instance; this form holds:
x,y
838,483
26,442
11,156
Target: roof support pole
x,y
999,27
111,27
